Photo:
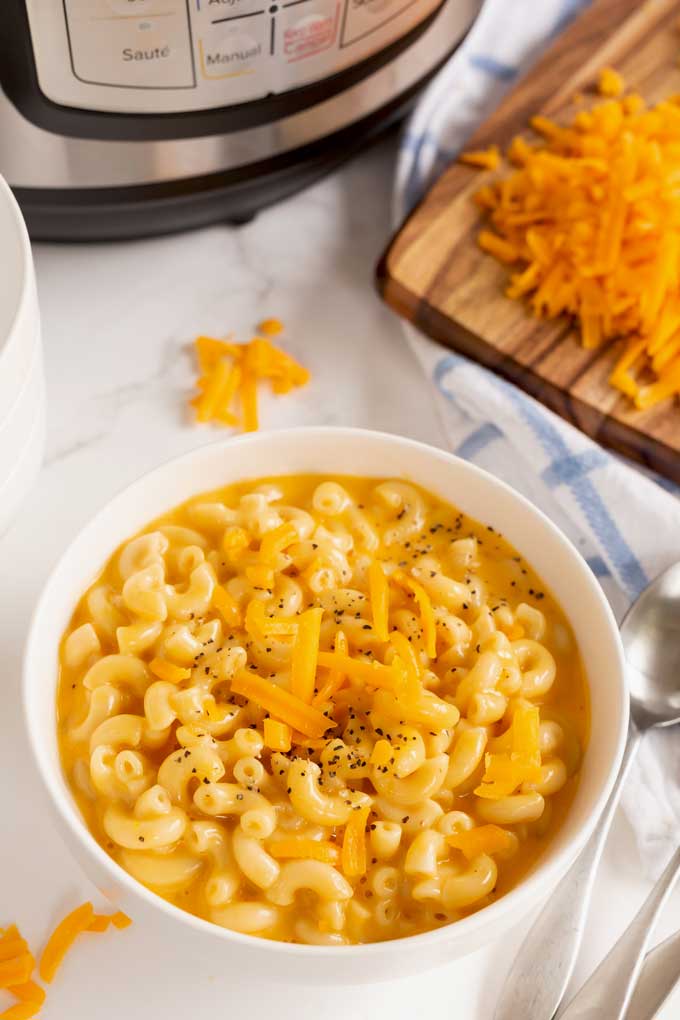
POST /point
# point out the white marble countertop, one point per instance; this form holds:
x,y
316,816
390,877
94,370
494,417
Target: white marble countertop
x,y
117,322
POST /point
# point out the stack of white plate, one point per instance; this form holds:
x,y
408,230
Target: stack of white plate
x,y
22,387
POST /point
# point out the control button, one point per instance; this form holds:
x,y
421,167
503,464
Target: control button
x,y
366,16
220,10
133,52
148,7
238,49
309,29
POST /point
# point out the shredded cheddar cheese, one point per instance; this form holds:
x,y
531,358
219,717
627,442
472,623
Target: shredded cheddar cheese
x,y
23,1010
270,327
373,673
226,606
99,923
305,653
590,218
483,839
274,542
29,991
12,944
520,763
486,159
229,370
16,970
610,82
426,611
303,846
234,542
62,938
282,704
277,735
16,967
17,963
354,842
261,575
168,671
120,920
336,678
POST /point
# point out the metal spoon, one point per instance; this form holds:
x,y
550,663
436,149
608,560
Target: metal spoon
x,y
659,975
610,987
541,972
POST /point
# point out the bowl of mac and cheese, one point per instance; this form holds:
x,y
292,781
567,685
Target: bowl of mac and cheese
x,y
325,699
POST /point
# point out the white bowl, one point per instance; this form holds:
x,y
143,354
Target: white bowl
x,y
17,484
19,420
22,391
333,451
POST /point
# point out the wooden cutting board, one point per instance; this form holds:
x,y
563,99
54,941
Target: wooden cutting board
x,y
435,275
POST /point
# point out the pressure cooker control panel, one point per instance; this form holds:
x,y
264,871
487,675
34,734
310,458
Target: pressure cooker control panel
x,y
171,56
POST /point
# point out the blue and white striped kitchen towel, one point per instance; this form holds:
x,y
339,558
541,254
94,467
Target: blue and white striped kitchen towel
x,y
626,524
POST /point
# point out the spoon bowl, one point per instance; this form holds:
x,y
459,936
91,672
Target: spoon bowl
x,y
651,638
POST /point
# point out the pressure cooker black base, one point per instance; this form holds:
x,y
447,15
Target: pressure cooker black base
x,y
109,214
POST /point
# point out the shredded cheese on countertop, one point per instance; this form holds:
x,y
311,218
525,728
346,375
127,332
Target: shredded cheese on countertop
x,y
17,962
229,371
590,215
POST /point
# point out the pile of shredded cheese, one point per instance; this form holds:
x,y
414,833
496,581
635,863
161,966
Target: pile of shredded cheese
x,y
17,963
229,374
591,217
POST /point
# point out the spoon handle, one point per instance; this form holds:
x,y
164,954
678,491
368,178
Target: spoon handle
x,y
659,975
539,976
608,990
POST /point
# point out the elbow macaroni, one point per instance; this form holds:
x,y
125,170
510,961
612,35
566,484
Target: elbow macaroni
x,y
471,718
